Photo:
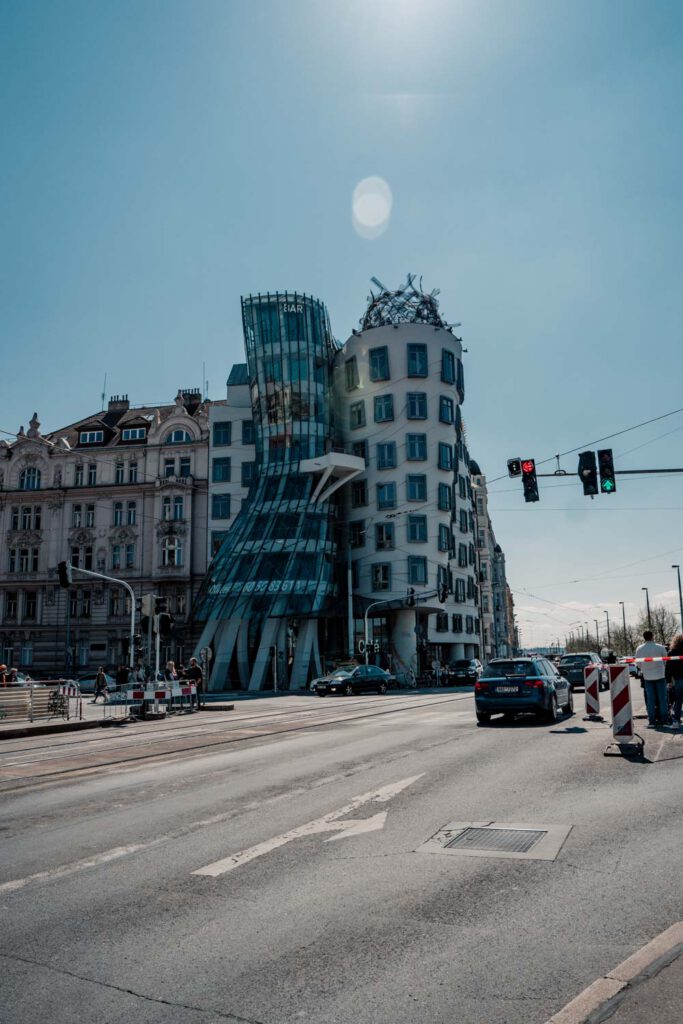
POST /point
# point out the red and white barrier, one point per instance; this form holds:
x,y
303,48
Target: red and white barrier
x,y
639,661
591,677
622,709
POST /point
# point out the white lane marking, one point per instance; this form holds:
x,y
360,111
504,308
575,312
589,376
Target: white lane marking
x,y
350,828
328,823
78,865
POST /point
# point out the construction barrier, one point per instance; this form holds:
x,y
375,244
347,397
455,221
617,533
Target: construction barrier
x,y
41,700
591,676
624,736
183,698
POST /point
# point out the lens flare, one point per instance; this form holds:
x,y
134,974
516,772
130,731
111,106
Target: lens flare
x,y
371,207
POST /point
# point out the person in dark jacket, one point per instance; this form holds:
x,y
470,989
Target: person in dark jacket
x,y
674,675
195,675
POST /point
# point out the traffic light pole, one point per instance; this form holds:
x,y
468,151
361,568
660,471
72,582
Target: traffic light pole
x,y
119,583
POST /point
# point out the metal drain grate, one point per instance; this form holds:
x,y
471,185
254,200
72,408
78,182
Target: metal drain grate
x,y
499,840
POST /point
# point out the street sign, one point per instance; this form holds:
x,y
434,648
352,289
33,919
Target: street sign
x,y
206,654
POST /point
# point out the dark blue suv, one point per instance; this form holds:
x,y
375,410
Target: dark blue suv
x,y
512,686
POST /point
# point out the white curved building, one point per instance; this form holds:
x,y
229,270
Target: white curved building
x,y
399,386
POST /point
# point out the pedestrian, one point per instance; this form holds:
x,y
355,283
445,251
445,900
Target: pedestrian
x,y
170,674
674,675
195,675
436,669
654,680
122,674
101,686
3,675
140,674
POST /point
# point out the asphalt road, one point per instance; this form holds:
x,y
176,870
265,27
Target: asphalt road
x,y
201,871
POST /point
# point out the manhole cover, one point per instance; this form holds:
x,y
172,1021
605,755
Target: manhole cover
x,y
499,840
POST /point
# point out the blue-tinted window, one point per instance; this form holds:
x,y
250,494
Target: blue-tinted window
x,y
248,473
298,368
386,455
351,373
386,495
417,529
379,363
417,570
417,361
444,537
220,472
445,456
444,500
384,408
381,576
384,536
359,493
357,533
360,450
357,415
272,369
416,405
416,447
447,366
220,506
222,433
446,409
248,432
416,487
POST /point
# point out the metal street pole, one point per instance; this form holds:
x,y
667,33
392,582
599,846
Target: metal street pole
x,y
609,640
365,623
680,592
647,601
623,619
597,635
119,583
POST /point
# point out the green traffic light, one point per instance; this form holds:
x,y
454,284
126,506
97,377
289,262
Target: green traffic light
x,y
608,485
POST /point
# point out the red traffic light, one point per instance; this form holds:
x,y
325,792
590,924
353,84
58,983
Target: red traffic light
x,y
528,466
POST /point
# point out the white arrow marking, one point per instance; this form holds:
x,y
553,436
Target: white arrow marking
x,y
328,823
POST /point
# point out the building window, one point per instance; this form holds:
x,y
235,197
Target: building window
x,y
172,552
178,436
444,537
272,369
10,606
360,450
416,487
386,455
178,507
469,624
447,366
379,363
132,472
470,587
351,373
166,507
484,572
14,521
91,437
298,369
459,592
357,533
90,515
416,446
115,602
116,556
92,474
220,506
222,433
462,556
134,434
248,432
26,656
132,513
416,405
78,475
29,479
485,602
417,361
220,471
384,408
480,506
357,415
118,473
248,472
386,495
381,576
445,409
76,516
463,520
130,556
417,570
169,468
118,513
457,623
184,467
359,493
84,609
470,554
384,536
444,498
417,529
217,538
445,456
441,622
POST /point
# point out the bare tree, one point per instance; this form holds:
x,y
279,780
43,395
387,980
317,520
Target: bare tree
x,y
664,624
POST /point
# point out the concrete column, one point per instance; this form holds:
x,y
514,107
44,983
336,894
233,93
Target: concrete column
x,y
403,638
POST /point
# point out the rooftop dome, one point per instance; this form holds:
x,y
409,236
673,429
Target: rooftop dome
x,y
407,305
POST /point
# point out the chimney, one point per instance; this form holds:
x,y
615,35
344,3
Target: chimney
x,y
118,402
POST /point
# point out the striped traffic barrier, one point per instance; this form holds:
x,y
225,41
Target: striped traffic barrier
x,y
624,737
591,678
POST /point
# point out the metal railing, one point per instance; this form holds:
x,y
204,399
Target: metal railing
x,y
39,701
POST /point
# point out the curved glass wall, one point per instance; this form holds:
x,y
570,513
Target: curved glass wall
x,y
278,557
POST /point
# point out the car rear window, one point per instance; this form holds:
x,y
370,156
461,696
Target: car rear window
x,y
503,669
461,664
576,659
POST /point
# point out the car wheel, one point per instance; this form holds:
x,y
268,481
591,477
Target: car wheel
x,y
551,713
348,690
569,706
483,717
382,688
320,693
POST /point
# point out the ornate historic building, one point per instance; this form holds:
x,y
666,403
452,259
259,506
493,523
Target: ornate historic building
x,y
122,492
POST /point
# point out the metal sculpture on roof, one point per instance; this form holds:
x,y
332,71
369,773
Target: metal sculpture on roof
x,y
407,305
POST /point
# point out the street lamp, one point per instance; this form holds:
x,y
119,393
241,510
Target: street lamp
x,y
609,642
647,600
680,592
373,604
623,618
597,634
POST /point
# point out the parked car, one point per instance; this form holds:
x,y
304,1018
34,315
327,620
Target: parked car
x,y
463,671
87,683
572,665
633,669
512,686
362,679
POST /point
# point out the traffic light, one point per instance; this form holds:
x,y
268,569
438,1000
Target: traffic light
x,y
165,624
442,592
146,604
64,573
588,473
160,605
410,599
529,481
608,483
514,467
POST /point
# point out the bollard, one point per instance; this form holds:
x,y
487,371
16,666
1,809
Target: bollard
x,y
624,737
591,677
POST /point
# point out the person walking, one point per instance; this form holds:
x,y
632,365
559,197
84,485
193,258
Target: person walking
x,y
101,689
654,681
674,675
195,675
170,674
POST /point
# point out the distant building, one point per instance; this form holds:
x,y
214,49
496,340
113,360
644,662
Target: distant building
x,y
123,492
498,631
232,456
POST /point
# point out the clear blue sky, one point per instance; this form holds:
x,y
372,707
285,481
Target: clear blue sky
x,y
161,158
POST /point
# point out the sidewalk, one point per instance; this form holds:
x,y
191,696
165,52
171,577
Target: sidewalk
x,y
657,999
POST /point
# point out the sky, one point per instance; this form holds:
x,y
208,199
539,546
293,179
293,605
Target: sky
x,y
160,158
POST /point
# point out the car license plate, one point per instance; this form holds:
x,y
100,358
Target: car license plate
x,y
507,689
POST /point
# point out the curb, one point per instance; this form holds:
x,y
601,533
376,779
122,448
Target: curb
x,y
600,999
22,731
